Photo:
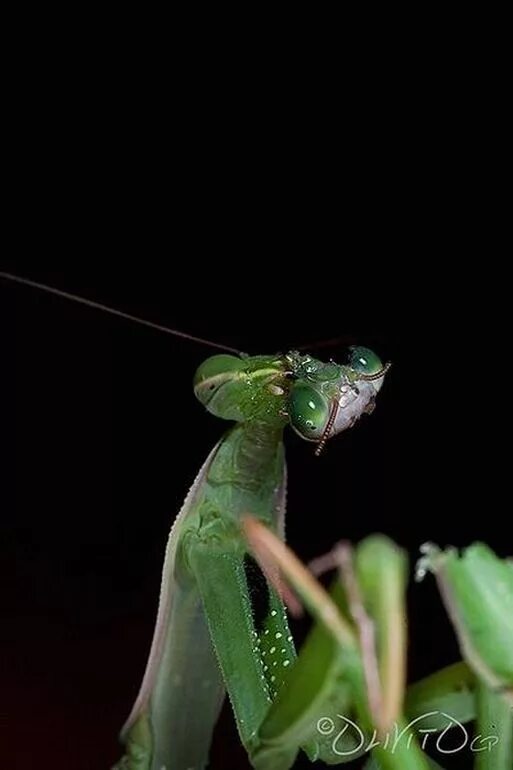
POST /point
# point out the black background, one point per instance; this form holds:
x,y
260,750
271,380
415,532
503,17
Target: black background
x,y
108,437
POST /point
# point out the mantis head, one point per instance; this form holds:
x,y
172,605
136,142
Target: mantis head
x,y
317,399
325,399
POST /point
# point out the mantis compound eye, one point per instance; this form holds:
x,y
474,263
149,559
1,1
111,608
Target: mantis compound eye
x,y
364,360
308,411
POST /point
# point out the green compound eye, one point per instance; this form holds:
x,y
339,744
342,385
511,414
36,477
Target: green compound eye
x,y
364,360
308,411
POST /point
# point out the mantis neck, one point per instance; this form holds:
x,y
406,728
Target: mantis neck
x,y
248,467
258,447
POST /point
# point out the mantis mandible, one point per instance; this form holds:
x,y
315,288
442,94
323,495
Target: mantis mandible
x,y
205,640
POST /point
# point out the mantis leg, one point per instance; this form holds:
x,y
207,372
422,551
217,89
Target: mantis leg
x,y
365,664
307,709
325,702
448,691
185,706
494,730
253,654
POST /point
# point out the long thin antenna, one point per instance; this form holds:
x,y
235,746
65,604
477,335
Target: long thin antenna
x,y
113,311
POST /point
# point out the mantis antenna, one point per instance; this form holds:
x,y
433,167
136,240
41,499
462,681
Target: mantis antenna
x,y
113,311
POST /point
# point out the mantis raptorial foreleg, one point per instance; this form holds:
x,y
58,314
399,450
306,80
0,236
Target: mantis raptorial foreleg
x,y
253,659
345,659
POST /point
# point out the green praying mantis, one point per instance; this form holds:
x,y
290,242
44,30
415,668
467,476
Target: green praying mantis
x,y
207,638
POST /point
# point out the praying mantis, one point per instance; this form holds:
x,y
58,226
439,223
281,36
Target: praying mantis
x,y
207,638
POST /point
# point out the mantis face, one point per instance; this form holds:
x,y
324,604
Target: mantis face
x,y
325,399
